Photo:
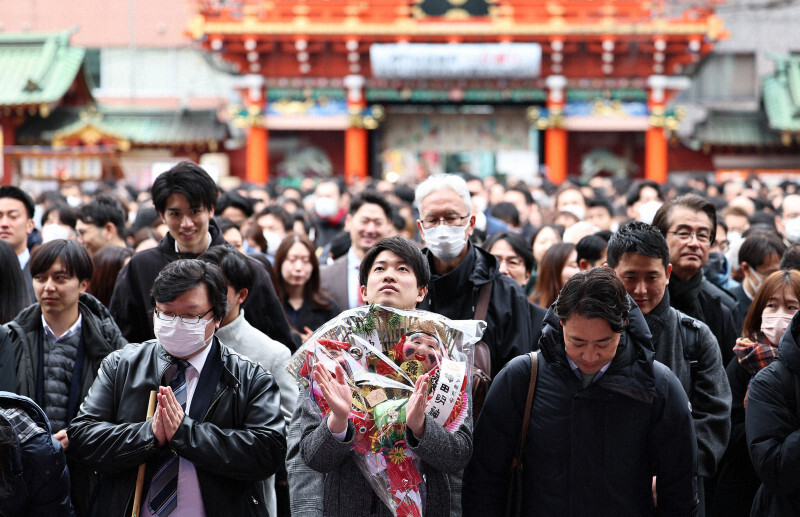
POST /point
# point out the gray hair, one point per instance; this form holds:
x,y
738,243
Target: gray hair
x,y
439,182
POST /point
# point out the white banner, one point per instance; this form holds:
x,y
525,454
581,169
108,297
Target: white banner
x,y
454,61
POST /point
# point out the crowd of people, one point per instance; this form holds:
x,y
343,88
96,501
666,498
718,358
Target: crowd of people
x,y
146,336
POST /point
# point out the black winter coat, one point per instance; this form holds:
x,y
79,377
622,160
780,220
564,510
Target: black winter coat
x,y
509,330
234,432
130,302
772,425
589,451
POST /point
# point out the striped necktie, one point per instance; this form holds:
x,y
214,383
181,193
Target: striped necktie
x,y
164,484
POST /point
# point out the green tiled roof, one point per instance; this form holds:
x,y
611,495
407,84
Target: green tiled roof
x,y
37,68
782,94
142,128
736,129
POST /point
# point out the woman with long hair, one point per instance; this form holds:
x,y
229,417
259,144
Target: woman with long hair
x,y
13,292
774,305
307,306
557,266
108,262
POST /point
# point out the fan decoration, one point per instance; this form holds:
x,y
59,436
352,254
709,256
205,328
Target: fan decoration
x,y
383,351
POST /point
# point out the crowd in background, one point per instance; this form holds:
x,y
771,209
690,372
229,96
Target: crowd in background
x,y
738,277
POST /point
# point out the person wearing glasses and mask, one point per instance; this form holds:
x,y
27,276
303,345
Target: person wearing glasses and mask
x,y
689,224
217,432
459,270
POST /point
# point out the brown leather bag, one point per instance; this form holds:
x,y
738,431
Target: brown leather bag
x,y
482,361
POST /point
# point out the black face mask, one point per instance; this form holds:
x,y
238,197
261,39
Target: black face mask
x,y
716,265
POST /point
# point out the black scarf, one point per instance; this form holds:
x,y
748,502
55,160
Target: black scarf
x,y
685,296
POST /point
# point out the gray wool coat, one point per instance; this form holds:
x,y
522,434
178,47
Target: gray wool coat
x,y
348,493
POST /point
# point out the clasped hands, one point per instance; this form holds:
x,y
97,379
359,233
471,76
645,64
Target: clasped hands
x,y
168,415
339,396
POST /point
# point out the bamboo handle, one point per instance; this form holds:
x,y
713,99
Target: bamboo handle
x,y
137,498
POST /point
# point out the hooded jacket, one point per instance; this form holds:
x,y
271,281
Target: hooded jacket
x,y
772,426
509,331
589,451
130,302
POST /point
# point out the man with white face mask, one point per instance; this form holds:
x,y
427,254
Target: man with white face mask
x,y
217,431
759,256
788,223
459,270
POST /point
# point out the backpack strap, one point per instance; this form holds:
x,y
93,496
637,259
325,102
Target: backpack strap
x,y
690,341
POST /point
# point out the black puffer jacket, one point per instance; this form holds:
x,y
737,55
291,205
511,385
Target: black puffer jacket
x,y
234,432
130,302
100,334
589,451
509,330
772,425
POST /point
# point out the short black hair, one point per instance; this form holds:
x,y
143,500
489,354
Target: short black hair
x,y
102,210
66,214
235,266
525,192
279,213
506,212
236,200
517,243
591,248
186,178
601,202
596,293
791,258
693,202
758,245
182,275
17,193
637,237
73,255
635,191
371,197
403,248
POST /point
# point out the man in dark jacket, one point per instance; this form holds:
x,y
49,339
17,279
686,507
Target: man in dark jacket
x,y
639,256
185,198
689,225
460,270
606,417
60,341
217,429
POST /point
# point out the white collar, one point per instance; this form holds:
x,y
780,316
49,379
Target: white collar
x,y
23,258
76,327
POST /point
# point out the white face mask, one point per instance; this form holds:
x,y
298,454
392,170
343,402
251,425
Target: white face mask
x,y
755,282
773,326
326,206
273,241
577,210
446,242
480,221
480,203
647,211
181,339
792,229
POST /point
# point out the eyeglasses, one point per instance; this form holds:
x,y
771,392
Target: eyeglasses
x,y
686,236
449,220
189,319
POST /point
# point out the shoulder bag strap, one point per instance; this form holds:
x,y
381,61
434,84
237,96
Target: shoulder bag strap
x,y
517,461
482,307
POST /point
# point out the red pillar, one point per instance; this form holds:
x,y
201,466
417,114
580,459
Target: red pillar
x,y
356,148
555,136
257,168
655,140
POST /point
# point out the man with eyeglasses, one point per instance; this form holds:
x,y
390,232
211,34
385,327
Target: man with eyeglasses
x,y
369,220
459,270
217,432
689,224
